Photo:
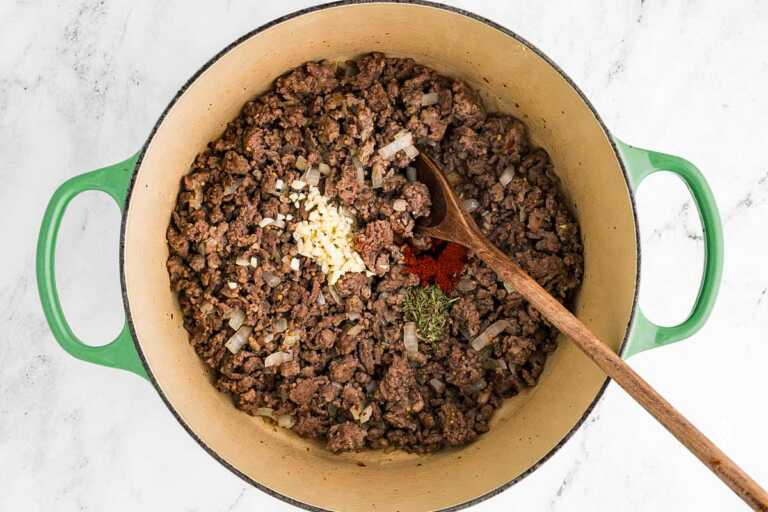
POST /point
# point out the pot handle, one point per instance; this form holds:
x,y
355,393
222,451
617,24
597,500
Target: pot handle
x,y
641,163
121,352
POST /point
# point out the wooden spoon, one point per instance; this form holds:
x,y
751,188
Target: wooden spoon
x,y
449,221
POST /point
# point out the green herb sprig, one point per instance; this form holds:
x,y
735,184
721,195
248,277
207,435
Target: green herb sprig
x,y
428,308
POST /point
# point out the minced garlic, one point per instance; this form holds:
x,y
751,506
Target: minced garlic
x,y
326,237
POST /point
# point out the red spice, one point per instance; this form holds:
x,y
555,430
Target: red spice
x,y
423,266
444,270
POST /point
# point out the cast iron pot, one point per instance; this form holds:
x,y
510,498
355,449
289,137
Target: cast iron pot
x,y
599,176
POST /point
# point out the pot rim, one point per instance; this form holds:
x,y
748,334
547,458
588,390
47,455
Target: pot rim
x,y
262,28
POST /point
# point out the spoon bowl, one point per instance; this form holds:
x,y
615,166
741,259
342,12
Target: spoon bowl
x,y
448,220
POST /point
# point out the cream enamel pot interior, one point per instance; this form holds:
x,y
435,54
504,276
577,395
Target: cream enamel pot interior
x,y
598,175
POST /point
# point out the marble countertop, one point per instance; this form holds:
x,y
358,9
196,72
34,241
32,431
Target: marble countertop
x,y
81,84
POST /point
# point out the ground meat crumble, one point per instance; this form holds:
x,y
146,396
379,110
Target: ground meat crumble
x,y
350,383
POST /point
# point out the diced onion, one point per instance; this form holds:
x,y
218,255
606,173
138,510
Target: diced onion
x,y
334,294
399,205
402,141
428,99
366,414
232,285
271,279
471,205
286,420
453,177
377,176
312,177
267,412
466,285
507,176
353,316
509,287
409,339
355,412
241,262
411,151
410,173
301,163
266,221
206,307
359,170
254,261
279,184
280,224
320,299
360,176
236,318
295,264
232,187
277,358
437,385
324,169
197,199
355,330
298,184
280,325
237,340
291,339
488,335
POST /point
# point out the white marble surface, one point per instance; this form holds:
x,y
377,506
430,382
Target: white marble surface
x,y
81,84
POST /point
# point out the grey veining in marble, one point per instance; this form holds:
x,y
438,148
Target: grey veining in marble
x,y
81,84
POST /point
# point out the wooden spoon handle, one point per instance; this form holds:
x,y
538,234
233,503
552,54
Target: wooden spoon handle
x,y
625,376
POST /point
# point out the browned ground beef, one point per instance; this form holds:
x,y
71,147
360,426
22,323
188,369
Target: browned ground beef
x,y
329,113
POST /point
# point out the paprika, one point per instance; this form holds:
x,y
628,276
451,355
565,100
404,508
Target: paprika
x,y
442,269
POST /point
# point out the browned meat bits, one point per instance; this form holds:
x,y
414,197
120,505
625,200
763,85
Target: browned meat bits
x,y
329,362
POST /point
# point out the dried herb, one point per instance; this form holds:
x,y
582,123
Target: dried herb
x,y
428,308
